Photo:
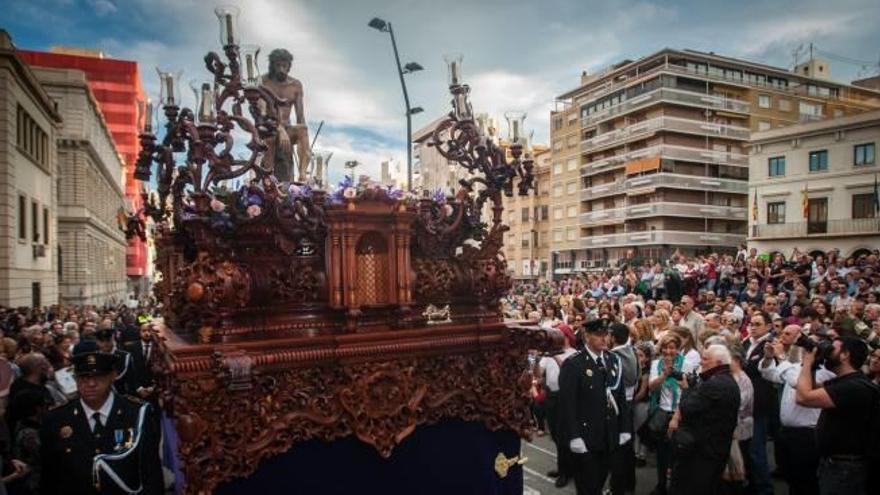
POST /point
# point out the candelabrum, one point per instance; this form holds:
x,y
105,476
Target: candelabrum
x,y
460,139
205,136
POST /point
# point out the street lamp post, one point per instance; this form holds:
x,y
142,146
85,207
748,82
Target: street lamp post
x,y
381,25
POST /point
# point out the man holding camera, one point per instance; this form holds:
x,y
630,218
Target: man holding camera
x,y
848,404
797,436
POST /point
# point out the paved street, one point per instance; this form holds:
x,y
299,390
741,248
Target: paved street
x,y
542,458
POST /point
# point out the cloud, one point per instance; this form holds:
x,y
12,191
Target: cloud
x,y
103,7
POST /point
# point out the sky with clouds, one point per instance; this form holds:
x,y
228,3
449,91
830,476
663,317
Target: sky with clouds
x,y
517,55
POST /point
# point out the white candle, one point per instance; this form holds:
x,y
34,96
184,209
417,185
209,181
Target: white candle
x,y
148,117
169,88
249,64
207,110
454,69
229,37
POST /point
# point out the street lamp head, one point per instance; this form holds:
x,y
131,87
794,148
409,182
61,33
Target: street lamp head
x,y
412,67
378,24
413,111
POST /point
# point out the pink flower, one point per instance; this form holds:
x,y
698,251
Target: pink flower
x,y
349,193
217,205
254,211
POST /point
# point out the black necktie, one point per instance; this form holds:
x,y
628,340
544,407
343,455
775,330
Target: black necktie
x,y
147,352
98,429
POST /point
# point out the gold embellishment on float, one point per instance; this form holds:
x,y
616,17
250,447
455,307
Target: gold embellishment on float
x,y
503,464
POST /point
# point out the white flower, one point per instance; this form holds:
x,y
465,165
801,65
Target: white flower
x,y
459,251
349,193
217,205
447,210
472,243
254,211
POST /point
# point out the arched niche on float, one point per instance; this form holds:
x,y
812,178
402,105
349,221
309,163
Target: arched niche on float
x,y
372,281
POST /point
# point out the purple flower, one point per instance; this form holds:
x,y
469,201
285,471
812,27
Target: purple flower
x,y
438,195
394,193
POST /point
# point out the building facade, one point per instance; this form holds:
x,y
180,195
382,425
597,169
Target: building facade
x,y
527,243
813,186
90,178
29,124
117,87
651,154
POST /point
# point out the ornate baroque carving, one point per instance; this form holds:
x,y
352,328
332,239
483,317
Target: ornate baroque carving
x,y
233,415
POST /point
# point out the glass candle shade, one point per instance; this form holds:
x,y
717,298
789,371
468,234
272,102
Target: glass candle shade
x,y
453,65
227,17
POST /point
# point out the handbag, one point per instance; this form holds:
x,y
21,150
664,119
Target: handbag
x,y
734,469
654,428
684,440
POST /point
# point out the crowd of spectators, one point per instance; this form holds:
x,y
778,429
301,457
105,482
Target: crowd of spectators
x,y
760,307
36,347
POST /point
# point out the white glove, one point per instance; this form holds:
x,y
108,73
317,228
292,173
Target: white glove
x,y
578,446
625,437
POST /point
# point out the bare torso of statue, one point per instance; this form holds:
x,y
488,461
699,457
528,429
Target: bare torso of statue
x,y
289,92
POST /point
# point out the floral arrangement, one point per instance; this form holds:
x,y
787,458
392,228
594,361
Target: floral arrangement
x,y
348,190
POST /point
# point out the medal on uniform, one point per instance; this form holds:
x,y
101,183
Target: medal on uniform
x,y
590,373
118,436
65,431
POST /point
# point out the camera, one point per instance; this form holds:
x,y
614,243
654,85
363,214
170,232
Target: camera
x,y
825,348
676,374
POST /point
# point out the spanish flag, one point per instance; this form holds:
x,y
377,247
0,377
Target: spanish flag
x,y
755,207
805,201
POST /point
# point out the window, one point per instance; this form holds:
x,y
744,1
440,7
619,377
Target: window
x,y
763,125
819,161
557,213
35,224
571,188
764,101
776,166
571,234
557,168
572,141
776,212
863,205
571,165
22,218
572,210
784,106
557,190
863,154
524,240
31,138
557,145
557,235
45,225
810,109
525,214
557,123
545,212
838,112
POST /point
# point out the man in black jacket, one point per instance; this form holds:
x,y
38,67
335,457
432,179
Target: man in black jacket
x,y
592,405
766,402
703,426
101,442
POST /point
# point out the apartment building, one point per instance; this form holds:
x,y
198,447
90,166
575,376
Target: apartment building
x,y
29,122
527,243
651,154
813,186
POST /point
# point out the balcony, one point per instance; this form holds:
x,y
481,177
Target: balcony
x,y
646,128
670,152
842,227
662,237
663,179
669,95
666,209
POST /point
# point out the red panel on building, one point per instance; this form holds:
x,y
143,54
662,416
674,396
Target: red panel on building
x,y
117,87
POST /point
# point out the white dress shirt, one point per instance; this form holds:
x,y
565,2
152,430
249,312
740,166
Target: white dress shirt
x,y
550,367
104,411
791,414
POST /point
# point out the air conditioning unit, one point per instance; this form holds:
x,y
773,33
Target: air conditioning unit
x,y
39,251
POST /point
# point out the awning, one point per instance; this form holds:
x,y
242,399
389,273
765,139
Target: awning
x,y
644,165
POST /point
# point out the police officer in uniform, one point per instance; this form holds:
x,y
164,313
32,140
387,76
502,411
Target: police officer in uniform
x,y
100,442
125,383
593,408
